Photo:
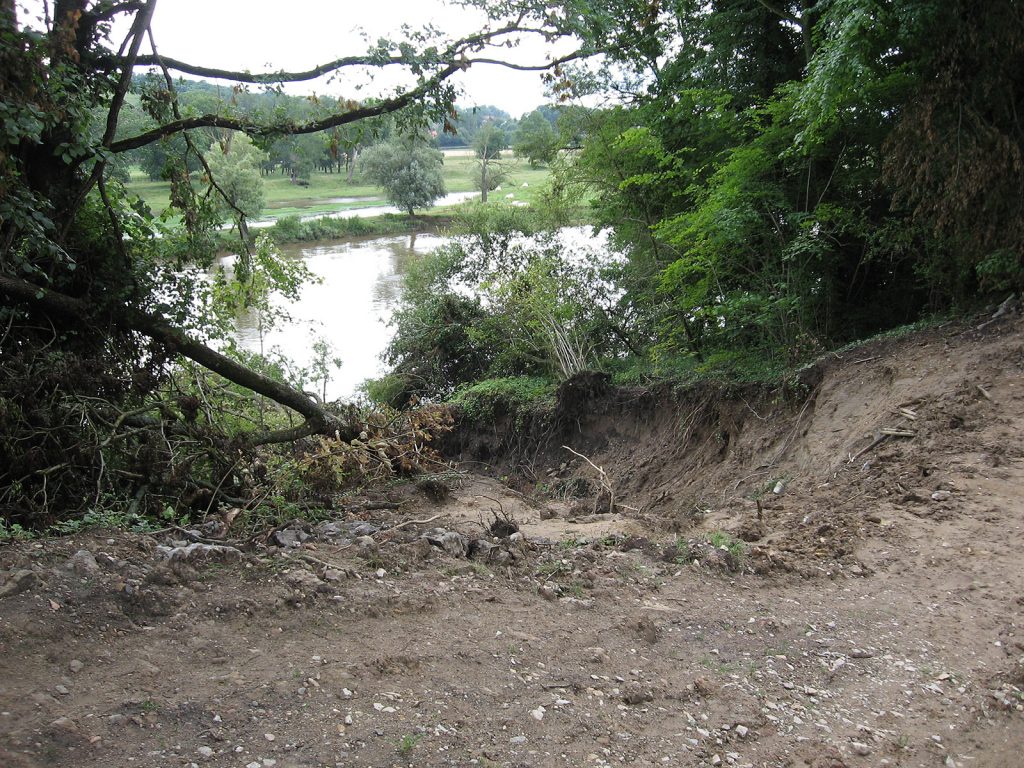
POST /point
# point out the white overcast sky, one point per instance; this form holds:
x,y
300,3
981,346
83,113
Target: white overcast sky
x,y
261,35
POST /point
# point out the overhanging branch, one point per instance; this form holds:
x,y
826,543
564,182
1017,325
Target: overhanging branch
x,y
318,421
254,128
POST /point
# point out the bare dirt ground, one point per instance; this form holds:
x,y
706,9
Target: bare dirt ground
x,y
873,615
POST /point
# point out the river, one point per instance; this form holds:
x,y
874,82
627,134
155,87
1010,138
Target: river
x,y
359,288
360,285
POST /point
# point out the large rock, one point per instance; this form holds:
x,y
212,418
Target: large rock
x,y
452,542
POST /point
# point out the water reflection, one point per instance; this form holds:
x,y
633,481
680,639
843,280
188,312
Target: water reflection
x,y
361,284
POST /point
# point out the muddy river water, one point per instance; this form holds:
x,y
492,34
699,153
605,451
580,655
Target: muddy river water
x,y
359,288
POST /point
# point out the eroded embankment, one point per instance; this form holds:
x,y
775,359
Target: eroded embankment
x,y
803,471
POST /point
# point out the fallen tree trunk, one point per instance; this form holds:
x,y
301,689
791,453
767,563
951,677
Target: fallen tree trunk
x,y
317,419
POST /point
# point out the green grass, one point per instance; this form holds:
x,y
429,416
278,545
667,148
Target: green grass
x,y
283,198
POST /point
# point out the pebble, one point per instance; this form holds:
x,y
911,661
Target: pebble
x,y
742,731
861,749
942,496
517,740
538,713
206,752
75,666
269,736
61,689
381,573
548,591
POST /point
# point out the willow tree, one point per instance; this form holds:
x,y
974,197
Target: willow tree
x,y
97,306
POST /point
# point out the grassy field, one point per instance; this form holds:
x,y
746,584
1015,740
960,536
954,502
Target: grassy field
x,y
321,195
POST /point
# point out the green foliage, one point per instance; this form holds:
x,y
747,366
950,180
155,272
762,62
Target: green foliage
x,y
234,164
517,396
408,170
13,532
725,541
535,139
507,298
408,743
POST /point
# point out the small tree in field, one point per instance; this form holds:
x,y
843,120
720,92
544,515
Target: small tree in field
x,y
487,144
409,172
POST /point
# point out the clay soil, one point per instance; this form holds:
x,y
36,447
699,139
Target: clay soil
x,y
776,582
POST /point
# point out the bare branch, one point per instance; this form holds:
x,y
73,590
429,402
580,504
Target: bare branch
x,y
258,78
455,50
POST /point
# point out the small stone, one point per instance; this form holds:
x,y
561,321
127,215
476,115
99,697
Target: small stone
x,y
366,545
61,689
742,731
538,713
596,654
548,591
75,666
381,573
205,752
860,653
253,764
306,581
635,693
516,740
290,538
716,760
83,563
333,574
269,736
942,496
19,581
861,748
452,542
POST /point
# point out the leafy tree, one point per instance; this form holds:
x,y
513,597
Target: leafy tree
x,y
535,139
408,170
235,167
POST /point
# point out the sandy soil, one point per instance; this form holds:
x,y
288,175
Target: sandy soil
x,y
872,616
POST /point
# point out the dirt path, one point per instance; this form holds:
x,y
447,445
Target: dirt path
x,y
875,618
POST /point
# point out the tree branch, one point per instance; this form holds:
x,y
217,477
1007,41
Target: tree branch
x,y
781,12
317,419
454,51
263,78
254,128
